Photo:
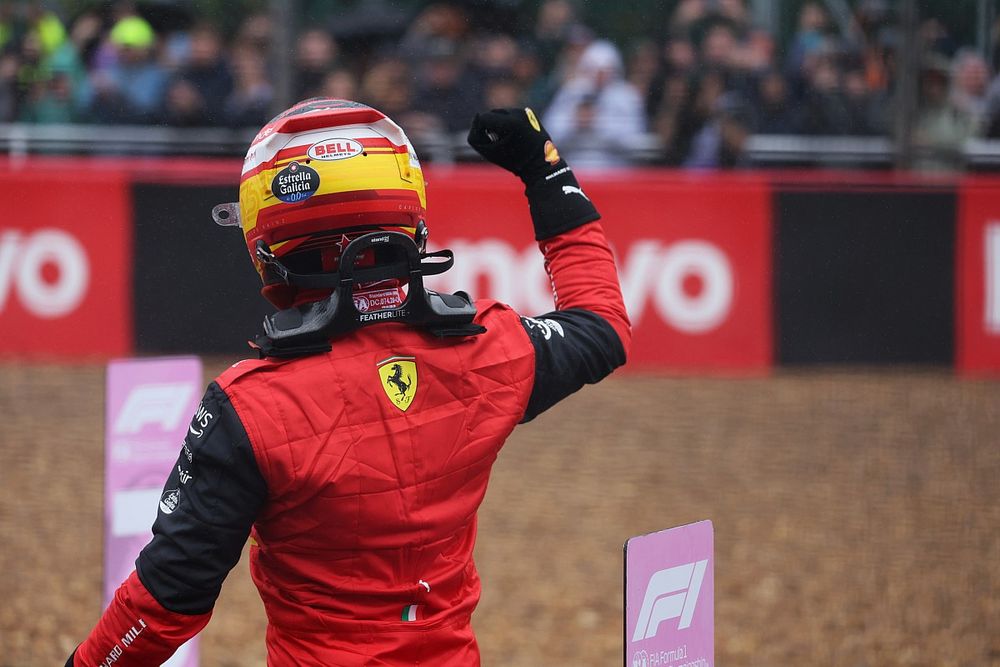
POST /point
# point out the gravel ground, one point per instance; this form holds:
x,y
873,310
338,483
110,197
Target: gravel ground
x,y
857,519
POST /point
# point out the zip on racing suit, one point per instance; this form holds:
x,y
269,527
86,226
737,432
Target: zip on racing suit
x,y
357,473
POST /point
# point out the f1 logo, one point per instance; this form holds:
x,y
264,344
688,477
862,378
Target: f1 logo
x,y
671,593
162,403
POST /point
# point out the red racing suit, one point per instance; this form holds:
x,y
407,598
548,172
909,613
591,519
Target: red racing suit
x,y
356,475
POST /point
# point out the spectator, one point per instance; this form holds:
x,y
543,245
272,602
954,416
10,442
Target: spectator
x,y
687,16
823,110
85,34
858,100
249,104
386,87
643,69
47,28
871,20
6,26
339,84
678,62
553,25
578,39
718,47
446,90
722,52
697,109
198,93
597,118
941,128
667,121
41,35
495,56
315,56
755,54
438,23
773,108
497,59
970,80
934,37
734,12
991,114
527,73
62,94
9,65
503,93
808,39
721,141
132,88
255,32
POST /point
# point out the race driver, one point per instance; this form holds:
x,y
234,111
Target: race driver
x,y
355,453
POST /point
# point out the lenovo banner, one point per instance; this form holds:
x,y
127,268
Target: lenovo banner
x,y
978,263
695,266
65,263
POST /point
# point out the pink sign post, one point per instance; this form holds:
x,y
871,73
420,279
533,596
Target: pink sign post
x,y
149,406
670,598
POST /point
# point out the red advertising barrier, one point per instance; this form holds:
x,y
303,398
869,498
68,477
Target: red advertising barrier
x,y
694,257
977,338
65,267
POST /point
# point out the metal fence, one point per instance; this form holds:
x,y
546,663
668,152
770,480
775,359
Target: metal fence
x,y
19,139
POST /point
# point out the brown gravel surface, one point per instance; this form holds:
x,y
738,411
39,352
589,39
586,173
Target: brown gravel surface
x,y
857,519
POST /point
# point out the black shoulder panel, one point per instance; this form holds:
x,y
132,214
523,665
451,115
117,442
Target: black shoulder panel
x,y
208,506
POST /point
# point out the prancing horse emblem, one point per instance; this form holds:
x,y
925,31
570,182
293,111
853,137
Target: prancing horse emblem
x,y
399,380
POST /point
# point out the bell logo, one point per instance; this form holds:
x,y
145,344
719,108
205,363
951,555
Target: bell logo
x,y
671,593
335,149
47,269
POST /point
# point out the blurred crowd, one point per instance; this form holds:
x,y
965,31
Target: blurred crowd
x,y
694,89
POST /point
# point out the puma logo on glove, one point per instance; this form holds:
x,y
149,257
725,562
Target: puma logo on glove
x,y
569,189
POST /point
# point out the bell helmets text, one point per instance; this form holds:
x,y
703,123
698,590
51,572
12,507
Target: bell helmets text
x,y
335,149
690,282
46,270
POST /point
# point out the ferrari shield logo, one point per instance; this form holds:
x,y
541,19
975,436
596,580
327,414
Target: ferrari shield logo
x,y
399,380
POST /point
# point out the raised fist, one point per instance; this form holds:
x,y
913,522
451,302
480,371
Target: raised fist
x,y
516,141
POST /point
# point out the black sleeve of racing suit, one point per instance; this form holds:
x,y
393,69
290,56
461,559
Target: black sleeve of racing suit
x,y
573,347
208,506
588,335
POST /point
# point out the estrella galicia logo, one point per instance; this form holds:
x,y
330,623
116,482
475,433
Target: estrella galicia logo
x,y
170,500
295,183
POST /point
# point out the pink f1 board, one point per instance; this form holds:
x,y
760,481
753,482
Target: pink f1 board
x,y
670,598
149,405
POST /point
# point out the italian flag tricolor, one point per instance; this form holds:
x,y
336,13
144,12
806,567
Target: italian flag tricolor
x,y
411,612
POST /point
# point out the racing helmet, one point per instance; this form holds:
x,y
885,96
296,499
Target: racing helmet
x,y
317,176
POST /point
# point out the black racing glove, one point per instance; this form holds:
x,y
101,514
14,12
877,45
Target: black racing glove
x,y
516,141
